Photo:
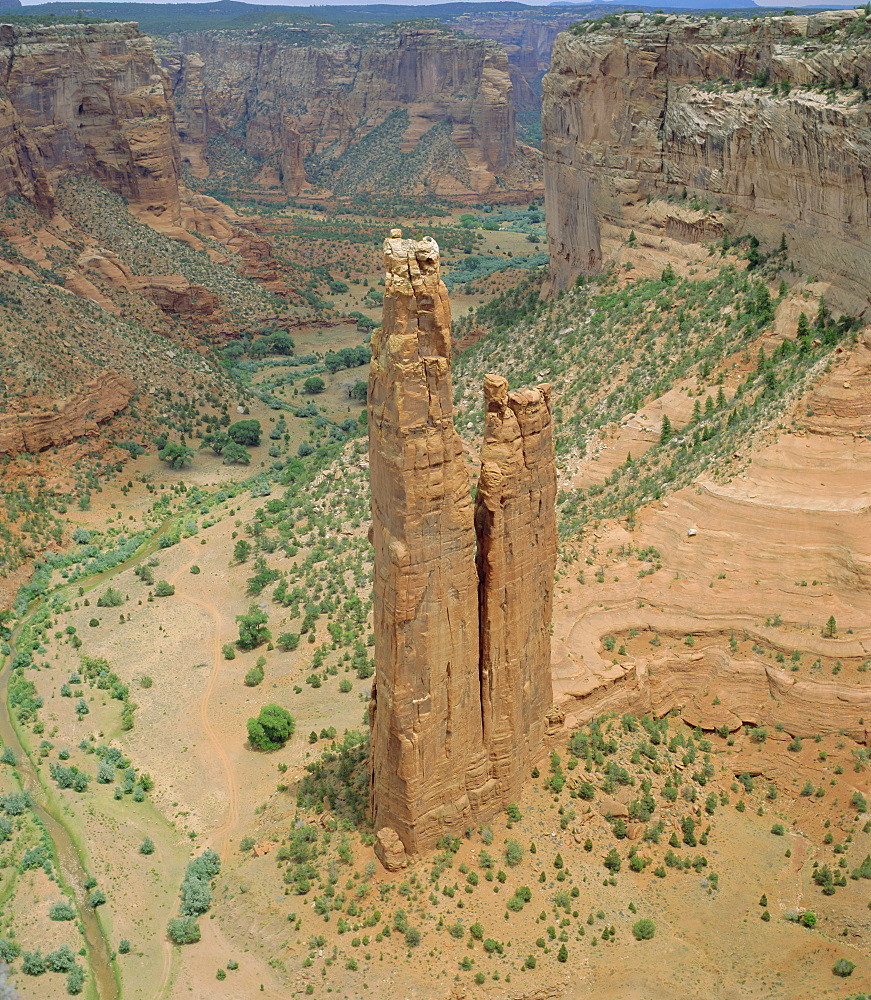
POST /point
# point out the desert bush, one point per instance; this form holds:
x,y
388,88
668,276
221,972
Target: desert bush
x,y
272,728
643,929
183,930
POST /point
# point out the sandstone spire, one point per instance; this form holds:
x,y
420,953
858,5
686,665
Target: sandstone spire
x,y
444,752
516,526
429,767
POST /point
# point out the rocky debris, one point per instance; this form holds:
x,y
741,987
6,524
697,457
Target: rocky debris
x,y
613,808
389,850
433,765
91,99
515,522
33,431
640,109
264,847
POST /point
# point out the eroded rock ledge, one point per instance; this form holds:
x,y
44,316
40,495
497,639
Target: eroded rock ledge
x,y
80,415
462,639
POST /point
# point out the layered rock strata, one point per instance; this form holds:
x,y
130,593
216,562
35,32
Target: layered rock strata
x,y
80,415
528,36
90,99
442,750
653,106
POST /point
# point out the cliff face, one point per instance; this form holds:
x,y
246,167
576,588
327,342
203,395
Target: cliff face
x,y
528,37
87,99
336,92
455,721
21,169
642,110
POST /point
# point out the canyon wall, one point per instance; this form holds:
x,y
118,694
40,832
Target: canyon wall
x,y
21,170
456,722
283,94
528,37
654,105
89,99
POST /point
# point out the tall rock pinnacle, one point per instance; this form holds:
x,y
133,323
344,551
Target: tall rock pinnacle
x,y
444,751
516,526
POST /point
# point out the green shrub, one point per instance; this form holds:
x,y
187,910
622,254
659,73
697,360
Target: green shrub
x,y
254,677
272,728
843,967
513,853
62,911
75,980
183,930
110,598
32,963
643,929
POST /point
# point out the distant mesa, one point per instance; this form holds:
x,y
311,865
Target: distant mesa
x,y
463,590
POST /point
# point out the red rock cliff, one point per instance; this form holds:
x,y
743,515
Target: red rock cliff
x,y
429,767
80,415
92,100
654,105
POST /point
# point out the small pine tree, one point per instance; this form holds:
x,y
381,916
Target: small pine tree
x,y
804,326
665,431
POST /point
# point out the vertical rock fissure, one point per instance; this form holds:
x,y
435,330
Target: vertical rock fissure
x,y
462,590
